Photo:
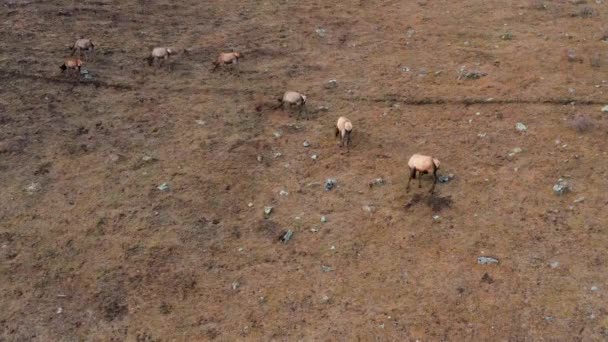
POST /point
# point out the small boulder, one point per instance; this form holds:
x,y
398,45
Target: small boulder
x,y
561,187
485,260
163,187
330,183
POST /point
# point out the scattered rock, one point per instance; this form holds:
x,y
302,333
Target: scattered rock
x,y
323,219
579,200
59,310
484,260
470,74
561,187
277,155
331,84
506,36
286,236
278,134
369,208
436,217
330,183
572,57
554,264
267,211
322,109
314,157
259,158
235,285
33,188
321,32
146,158
324,299
163,187
605,109
515,151
250,204
520,127
201,122
306,143
283,193
326,268
594,288
376,182
445,178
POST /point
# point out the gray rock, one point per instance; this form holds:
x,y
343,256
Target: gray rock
x,y
470,74
314,157
376,182
326,268
323,219
605,109
331,84
33,187
306,143
506,36
283,193
286,236
520,127
554,264
369,208
561,187
322,109
445,178
484,260
594,288
163,187
330,183
235,285
579,200
267,211
321,32
515,151
324,299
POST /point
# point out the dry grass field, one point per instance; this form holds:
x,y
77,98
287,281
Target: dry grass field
x,y
92,250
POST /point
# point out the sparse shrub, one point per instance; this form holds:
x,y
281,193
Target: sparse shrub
x,y
581,123
572,57
595,60
538,5
507,36
586,12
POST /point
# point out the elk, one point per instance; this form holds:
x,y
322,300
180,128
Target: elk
x,y
422,164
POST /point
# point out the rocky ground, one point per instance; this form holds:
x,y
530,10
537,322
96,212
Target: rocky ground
x,y
134,201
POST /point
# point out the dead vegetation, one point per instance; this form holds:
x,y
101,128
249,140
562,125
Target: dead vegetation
x,y
581,123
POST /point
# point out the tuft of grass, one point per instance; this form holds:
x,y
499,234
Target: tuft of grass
x,y
538,5
581,123
595,60
507,36
585,12
604,35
